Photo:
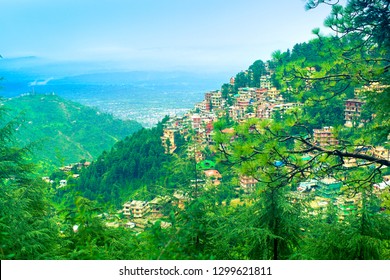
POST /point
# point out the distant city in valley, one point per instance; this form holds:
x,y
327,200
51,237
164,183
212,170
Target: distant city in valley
x,y
145,97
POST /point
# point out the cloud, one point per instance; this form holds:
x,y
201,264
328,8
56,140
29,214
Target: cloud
x,y
40,82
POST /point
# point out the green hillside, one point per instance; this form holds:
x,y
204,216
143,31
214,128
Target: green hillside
x,y
64,131
135,162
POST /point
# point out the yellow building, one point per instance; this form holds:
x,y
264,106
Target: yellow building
x,y
136,208
325,137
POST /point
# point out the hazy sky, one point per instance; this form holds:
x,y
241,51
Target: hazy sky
x,y
156,34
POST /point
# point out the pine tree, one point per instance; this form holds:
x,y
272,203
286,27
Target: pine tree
x,y
27,228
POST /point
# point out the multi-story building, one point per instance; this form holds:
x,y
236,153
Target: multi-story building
x,y
372,87
237,112
203,106
243,101
209,133
249,92
261,94
274,94
194,153
136,208
247,183
213,100
381,152
168,140
324,137
207,100
196,121
216,100
282,108
264,111
265,82
352,111
348,206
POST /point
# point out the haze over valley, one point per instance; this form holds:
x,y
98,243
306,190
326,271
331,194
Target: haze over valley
x,y
144,96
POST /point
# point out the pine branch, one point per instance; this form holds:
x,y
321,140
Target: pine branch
x,y
342,154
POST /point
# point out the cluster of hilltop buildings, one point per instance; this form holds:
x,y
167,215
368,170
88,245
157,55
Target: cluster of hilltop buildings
x,y
250,102
262,103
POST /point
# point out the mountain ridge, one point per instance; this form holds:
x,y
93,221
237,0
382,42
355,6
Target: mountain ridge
x,y
64,131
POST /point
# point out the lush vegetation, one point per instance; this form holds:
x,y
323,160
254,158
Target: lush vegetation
x,y
214,221
62,131
136,164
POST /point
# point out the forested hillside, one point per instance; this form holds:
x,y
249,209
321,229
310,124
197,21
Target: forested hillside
x,y
62,131
134,163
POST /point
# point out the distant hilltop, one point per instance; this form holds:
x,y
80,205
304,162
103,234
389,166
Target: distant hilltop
x,y
64,131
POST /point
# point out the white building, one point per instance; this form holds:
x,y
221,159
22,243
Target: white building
x,y
136,208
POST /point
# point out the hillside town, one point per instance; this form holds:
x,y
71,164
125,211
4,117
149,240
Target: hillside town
x,y
196,127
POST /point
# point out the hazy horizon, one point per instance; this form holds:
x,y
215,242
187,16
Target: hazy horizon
x,y
211,36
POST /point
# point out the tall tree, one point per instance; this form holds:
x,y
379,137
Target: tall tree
x,y
27,229
256,153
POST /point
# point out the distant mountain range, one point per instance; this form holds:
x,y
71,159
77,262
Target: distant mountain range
x,y
20,75
144,96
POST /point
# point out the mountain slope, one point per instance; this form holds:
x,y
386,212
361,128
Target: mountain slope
x,y
64,131
135,162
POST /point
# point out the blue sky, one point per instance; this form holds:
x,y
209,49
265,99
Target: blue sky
x,y
217,35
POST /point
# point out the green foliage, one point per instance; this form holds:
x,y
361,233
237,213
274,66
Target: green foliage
x,y
251,77
257,70
379,127
27,229
64,132
136,161
325,71
228,91
362,235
